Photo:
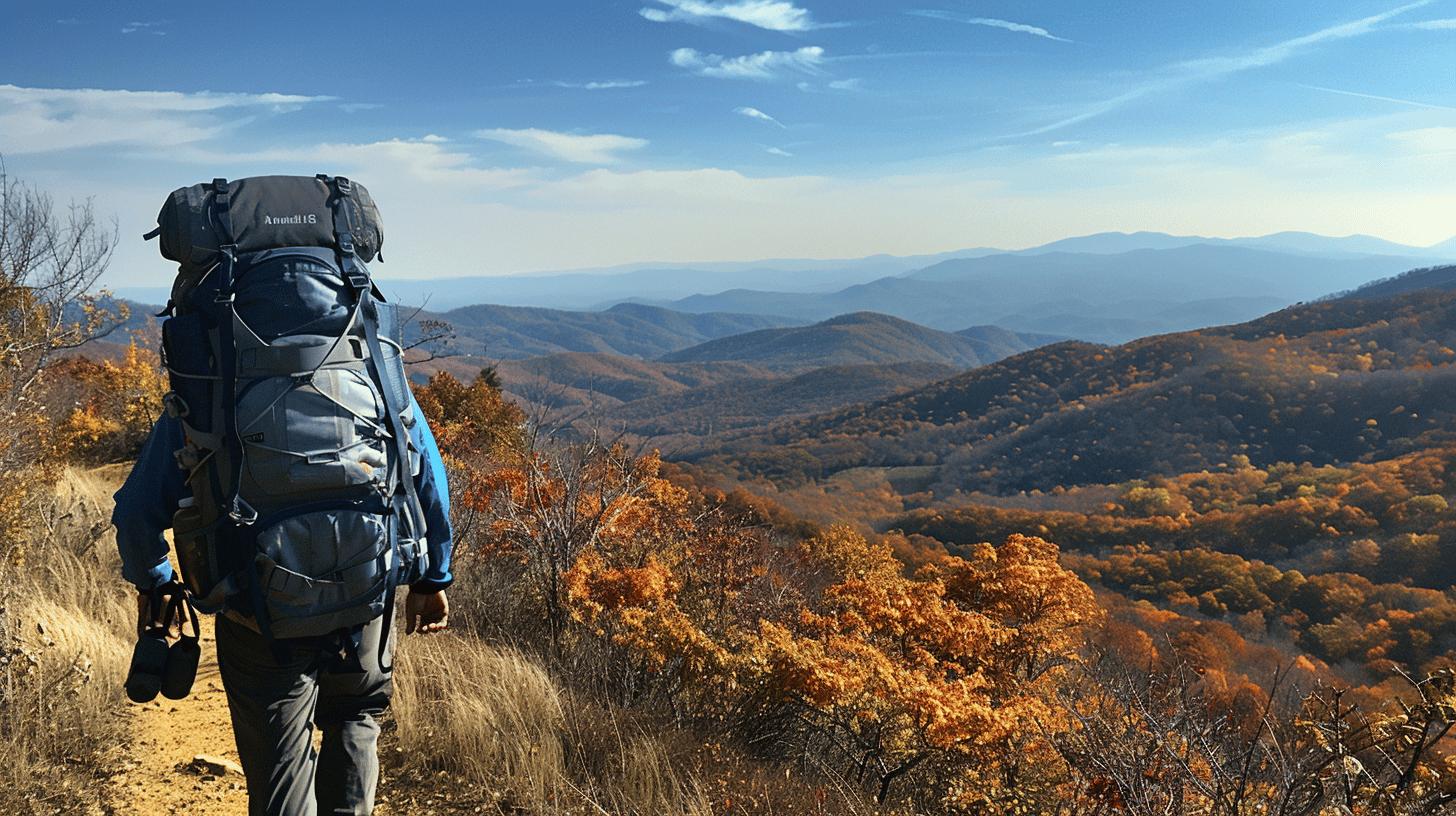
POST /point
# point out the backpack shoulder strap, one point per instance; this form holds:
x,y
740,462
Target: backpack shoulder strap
x,y
238,510
359,281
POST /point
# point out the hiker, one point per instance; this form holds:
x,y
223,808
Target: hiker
x,y
299,477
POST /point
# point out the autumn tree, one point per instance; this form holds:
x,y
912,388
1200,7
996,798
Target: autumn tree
x,y
50,260
113,405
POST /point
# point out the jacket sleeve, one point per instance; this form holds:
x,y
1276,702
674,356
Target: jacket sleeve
x,y
434,493
145,504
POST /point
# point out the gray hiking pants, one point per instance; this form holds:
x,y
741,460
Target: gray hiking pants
x,y
276,696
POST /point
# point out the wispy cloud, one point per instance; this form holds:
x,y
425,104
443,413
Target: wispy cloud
x,y
1427,140
779,151
755,113
153,27
1391,99
601,84
853,84
355,107
599,148
1181,74
774,15
1435,25
765,65
37,120
990,22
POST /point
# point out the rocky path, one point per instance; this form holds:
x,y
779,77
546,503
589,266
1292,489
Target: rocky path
x,y
179,758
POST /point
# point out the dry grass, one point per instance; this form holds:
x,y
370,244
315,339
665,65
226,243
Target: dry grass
x,y
494,719
64,646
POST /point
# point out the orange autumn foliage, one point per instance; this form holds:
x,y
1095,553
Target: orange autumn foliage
x,y
115,403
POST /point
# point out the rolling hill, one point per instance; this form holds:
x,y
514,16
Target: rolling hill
x,y
1352,379
631,330
670,403
687,416
858,339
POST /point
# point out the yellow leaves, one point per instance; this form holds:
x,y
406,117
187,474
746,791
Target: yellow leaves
x,y
116,404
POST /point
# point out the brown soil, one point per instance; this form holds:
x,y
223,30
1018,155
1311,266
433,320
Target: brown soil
x,y
156,773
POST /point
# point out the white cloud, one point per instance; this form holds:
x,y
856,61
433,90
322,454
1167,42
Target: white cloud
x,y
990,22
34,120
1435,25
774,15
355,107
600,148
1427,140
448,215
406,162
765,65
854,84
1208,69
1269,55
755,113
144,28
602,84
778,151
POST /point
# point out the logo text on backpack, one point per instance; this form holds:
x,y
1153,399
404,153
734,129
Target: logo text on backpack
x,y
305,218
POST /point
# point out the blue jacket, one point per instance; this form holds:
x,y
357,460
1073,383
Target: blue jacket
x,y
146,502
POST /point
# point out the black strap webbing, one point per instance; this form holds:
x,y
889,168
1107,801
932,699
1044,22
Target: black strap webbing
x,y
238,509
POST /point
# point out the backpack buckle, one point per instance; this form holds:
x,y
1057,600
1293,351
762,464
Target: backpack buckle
x,y
174,405
344,186
242,513
358,280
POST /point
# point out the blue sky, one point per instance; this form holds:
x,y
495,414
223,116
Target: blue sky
x,y
509,136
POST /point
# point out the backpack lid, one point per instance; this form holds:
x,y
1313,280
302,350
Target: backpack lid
x,y
267,212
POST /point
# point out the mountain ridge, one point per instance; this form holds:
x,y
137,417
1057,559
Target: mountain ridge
x,y
858,338
1353,379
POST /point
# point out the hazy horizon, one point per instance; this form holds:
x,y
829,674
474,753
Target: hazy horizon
x,y
506,139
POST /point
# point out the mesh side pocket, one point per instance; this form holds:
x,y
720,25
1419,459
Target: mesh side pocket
x,y
187,349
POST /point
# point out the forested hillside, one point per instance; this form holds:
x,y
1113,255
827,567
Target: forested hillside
x,y
631,330
675,404
1346,380
861,338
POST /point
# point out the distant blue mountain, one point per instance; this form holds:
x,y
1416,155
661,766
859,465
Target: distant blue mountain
x,y
1103,297
1111,286
1302,243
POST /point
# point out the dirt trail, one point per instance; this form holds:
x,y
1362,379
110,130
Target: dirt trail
x,y
157,773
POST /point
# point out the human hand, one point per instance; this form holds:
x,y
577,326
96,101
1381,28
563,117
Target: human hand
x,y
150,616
426,612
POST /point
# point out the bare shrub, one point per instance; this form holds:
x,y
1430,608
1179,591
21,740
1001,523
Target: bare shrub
x,y
49,262
1156,743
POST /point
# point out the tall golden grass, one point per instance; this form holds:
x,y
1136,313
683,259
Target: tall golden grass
x,y
494,718
65,634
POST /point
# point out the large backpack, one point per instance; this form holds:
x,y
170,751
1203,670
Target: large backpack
x,y
287,375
